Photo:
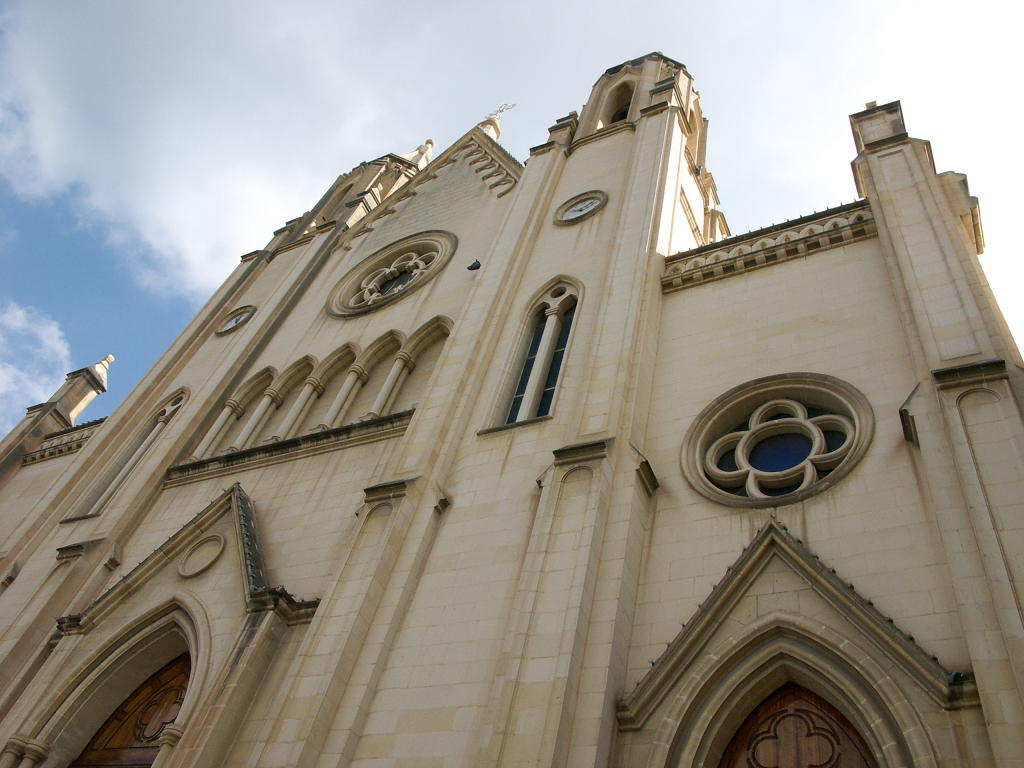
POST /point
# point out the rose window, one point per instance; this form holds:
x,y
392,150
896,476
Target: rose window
x,y
392,272
393,278
777,440
784,447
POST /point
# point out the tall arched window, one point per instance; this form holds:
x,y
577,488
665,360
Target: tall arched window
x,y
537,375
156,427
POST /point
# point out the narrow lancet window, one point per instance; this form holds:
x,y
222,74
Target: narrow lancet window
x,y
541,365
524,377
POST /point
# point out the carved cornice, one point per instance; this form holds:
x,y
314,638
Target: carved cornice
x,y
623,126
63,442
495,167
395,489
292,245
970,374
580,452
793,239
544,148
372,430
74,551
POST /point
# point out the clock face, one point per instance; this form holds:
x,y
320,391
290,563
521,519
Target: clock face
x,y
236,319
583,206
580,207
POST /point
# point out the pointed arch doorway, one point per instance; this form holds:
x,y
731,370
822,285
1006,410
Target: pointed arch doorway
x,y
130,738
794,728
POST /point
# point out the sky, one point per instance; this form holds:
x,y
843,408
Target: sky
x,y
145,146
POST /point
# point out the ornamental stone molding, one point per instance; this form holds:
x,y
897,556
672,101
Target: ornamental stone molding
x,y
793,239
392,272
495,167
777,440
64,442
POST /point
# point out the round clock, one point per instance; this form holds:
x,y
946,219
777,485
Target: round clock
x,y
580,207
236,318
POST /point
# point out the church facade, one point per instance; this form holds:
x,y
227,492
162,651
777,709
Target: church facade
x,y
485,464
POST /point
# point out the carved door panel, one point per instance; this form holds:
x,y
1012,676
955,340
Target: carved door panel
x,y
794,728
130,737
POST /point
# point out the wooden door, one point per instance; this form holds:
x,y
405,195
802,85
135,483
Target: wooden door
x,y
794,728
130,737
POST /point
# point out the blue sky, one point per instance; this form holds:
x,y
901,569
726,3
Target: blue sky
x,y
144,147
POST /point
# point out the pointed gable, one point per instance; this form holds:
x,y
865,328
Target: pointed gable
x,y
779,555
257,593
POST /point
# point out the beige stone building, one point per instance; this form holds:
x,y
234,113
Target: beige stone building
x,y
488,464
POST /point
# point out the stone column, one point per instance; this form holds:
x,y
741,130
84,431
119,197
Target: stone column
x,y
354,379
11,754
312,385
270,397
35,753
546,348
232,408
169,737
399,370
399,382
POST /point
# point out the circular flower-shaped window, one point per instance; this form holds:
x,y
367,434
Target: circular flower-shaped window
x,y
392,272
777,440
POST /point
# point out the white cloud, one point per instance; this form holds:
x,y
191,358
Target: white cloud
x,y
193,129
190,129
34,356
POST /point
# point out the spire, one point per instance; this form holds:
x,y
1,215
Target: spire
x,y
421,155
99,370
80,387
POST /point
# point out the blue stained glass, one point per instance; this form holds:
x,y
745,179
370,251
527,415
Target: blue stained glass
x,y
779,452
524,377
727,461
544,407
833,440
780,491
556,364
514,410
393,284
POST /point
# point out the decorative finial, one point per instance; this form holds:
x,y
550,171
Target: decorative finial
x,y
502,109
422,154
491,124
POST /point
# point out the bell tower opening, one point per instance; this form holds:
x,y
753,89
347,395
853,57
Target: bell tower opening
x,y
618,104
131,735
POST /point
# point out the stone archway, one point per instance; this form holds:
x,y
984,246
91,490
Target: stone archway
x,y
794,728
130,737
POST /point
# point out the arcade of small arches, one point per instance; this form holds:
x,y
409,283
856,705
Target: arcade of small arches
x,y
349,385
